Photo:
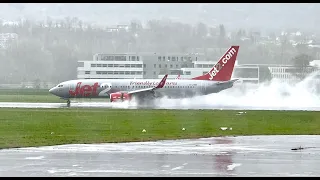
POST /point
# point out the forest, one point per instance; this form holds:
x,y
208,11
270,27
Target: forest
x,y
48,51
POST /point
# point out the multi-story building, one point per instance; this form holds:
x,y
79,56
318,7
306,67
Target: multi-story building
x,y
154,66
246,73
111,66
287,73
131,65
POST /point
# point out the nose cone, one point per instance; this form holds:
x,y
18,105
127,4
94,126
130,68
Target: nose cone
x,y
53,91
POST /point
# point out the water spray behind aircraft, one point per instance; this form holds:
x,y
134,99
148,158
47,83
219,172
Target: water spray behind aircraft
x,y
273,95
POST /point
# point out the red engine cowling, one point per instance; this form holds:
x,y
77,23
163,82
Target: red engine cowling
x,y
119,97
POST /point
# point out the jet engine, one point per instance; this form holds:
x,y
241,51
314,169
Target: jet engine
x,y
119,96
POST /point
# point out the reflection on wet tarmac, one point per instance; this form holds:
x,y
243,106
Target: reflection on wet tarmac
x,y
221,156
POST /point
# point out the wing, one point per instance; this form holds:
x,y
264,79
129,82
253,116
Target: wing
x,y
147,90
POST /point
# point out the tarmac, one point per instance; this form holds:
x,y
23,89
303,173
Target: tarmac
x,y
124,105
220,156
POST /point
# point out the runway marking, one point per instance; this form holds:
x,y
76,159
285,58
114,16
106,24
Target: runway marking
x,y
179,167
37,157
176,168
232,166
166,166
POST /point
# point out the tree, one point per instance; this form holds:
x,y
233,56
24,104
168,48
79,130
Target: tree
x,y
222,36
264,74
302,66
202,30
222,31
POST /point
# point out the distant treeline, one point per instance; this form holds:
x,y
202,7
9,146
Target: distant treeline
x,y
49,51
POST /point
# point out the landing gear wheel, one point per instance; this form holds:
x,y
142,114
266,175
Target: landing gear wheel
x,y
68,103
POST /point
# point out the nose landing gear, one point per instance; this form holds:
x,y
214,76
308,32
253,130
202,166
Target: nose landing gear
x,y
68,102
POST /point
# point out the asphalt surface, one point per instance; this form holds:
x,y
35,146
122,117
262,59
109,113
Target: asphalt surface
x,y
125,105
223,156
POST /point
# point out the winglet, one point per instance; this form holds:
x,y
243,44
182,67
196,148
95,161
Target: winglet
x,y
162,82
178,76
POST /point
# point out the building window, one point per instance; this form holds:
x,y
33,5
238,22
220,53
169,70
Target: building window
x,y
104,65
169,58
181,58
163,58
110,65
116,65
144,65
159,65
133,58
154,65
144,72
93,65
127,65
154,73
173,58
137,58
159,58
87,72
98,65
120,58
171,66
177,65
80,64
139,65
165,66
188,73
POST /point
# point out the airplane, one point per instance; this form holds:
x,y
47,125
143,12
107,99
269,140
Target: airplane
x,y
146,90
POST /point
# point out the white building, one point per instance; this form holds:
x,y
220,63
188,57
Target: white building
x,y
153,65
288,73
111,66
131,65
246,73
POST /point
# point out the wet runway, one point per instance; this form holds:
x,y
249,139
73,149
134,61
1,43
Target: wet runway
x,y
223,156
125,105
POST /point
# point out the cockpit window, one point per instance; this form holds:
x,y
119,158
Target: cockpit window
x,y
60,85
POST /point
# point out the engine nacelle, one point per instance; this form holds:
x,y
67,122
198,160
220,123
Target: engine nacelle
x,y
119,96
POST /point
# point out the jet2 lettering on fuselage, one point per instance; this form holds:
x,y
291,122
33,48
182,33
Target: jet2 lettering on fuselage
x,y
85,90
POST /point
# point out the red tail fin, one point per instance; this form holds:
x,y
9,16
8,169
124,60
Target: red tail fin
x,y
222,71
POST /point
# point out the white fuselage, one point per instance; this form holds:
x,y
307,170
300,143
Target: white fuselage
x,y
102,88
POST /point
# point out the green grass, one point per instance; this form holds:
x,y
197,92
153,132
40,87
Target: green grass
x,y
37,96
28,95
33,127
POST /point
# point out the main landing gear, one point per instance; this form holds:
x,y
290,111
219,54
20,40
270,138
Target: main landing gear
x,y
68,102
